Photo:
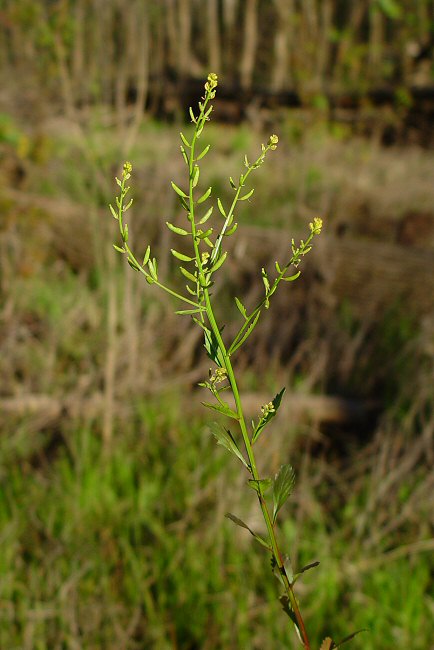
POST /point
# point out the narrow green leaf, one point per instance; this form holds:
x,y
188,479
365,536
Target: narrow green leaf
x,y
205,195
241,307
240,522
282,487
246,334
349,637
179,191
270,415
175,229
185,141
246,196
190,311
206,216
312,565
224,409
226,440
204,152
221,208
187,274
219,263
291,278
212,348
181,256
117,248
146,257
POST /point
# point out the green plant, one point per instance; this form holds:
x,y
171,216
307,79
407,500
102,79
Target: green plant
x,y
198,268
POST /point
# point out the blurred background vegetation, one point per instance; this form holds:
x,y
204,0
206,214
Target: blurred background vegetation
x,y
113,492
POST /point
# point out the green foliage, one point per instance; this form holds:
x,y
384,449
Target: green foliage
x,y
206,258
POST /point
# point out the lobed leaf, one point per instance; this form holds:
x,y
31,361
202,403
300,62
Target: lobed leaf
x,y
226,440
282,487
222,408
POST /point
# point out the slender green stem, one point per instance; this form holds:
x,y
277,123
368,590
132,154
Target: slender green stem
x,y
254,471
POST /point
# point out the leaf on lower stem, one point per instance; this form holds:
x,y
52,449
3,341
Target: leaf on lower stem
x,y
226,440
260,485
222,408
282,487
213,349
349,637
240,522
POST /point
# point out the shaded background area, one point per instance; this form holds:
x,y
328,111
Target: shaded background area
x,y
113,492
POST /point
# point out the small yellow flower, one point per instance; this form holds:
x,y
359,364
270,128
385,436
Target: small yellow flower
x,y
267,408
212,81
316,226
272,142
128,168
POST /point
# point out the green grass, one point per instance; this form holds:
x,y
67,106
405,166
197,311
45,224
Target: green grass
x,y
133,551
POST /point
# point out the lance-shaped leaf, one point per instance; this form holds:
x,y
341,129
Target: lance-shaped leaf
x,y
241,307
190,311
349,637
282,487
179,191
222,408
225,438
239,522
212,348
312,565
246,334
269,416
